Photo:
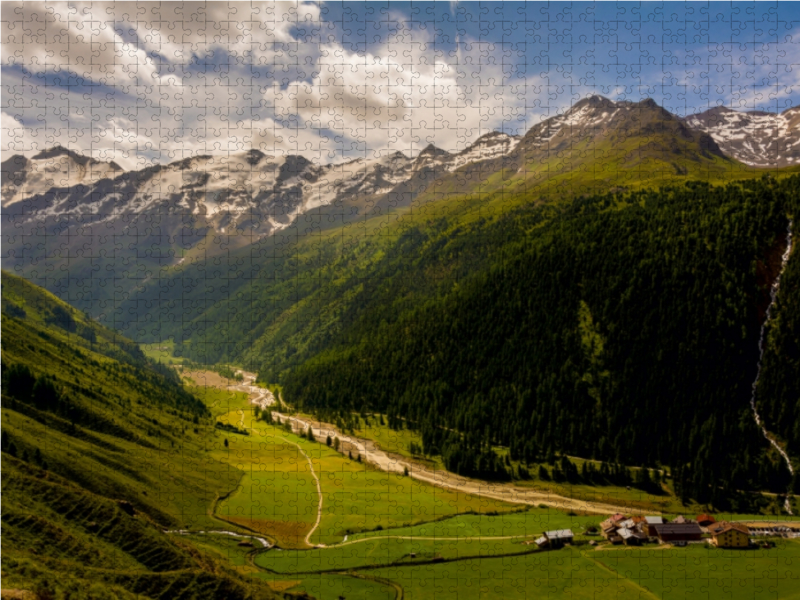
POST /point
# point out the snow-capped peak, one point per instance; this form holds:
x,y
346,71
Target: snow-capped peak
x,y
755,138
56,167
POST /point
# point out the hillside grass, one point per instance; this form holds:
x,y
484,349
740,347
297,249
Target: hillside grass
x,y
99,457
162,352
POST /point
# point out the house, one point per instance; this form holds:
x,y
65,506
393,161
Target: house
x,y
639,521
631,537
628,524
649,525
617,518
678,532
541,541
607,529
729,535
705,520
559,537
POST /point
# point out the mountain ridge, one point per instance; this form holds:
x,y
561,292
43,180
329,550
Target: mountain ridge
x,y
275,189
126,233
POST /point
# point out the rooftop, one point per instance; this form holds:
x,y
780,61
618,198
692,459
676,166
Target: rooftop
x,y
558,534
654,520
677,528
724,526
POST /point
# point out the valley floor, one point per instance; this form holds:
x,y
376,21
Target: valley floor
x,y
344,527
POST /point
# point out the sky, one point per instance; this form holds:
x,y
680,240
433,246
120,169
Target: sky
x,y
142,83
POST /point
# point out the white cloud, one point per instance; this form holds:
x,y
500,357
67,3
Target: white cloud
x,y
174,79
159,103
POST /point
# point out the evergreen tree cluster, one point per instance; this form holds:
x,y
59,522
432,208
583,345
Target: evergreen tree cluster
x,y
619,327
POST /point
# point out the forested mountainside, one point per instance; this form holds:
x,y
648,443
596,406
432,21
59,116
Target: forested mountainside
x,y
623,327
100,454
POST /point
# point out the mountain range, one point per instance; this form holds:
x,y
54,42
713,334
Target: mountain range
x,y
614,262
252,195
99,236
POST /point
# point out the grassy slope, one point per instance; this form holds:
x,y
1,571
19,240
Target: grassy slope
x,y
64,529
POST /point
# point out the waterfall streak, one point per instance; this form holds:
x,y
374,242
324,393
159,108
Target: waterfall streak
x,y
773,295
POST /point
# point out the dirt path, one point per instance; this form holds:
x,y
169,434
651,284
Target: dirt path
x,y
434,538
319,493
618,577
393,463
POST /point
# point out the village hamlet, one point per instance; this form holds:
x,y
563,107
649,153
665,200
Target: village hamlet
x,y
636,530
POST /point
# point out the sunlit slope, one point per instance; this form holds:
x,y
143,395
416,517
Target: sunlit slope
x,y
101,451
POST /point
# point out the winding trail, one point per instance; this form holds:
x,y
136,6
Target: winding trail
x,y
434,538
263,541
619,577
319,493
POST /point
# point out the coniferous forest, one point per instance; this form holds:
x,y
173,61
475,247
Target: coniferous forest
x,y
637,313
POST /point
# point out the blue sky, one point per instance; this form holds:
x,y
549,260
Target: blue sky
x,y
143,83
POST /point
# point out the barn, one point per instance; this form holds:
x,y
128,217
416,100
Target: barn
x,y
678,532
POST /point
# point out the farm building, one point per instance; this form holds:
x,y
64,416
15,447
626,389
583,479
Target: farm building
x,y
559,537
617,518
541,541
678,532
631,537
649,525
607,529
705,520
729,535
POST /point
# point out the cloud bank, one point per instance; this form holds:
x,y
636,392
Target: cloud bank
x,y
140,83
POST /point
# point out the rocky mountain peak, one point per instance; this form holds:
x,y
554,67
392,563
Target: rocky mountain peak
x,y
756,138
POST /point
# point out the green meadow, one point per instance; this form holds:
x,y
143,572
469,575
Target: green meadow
x,y
700,571
277,495
564,574
386,551
697,571
524,523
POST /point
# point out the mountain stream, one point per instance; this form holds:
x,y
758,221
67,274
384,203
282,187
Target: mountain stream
x,y
761,339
